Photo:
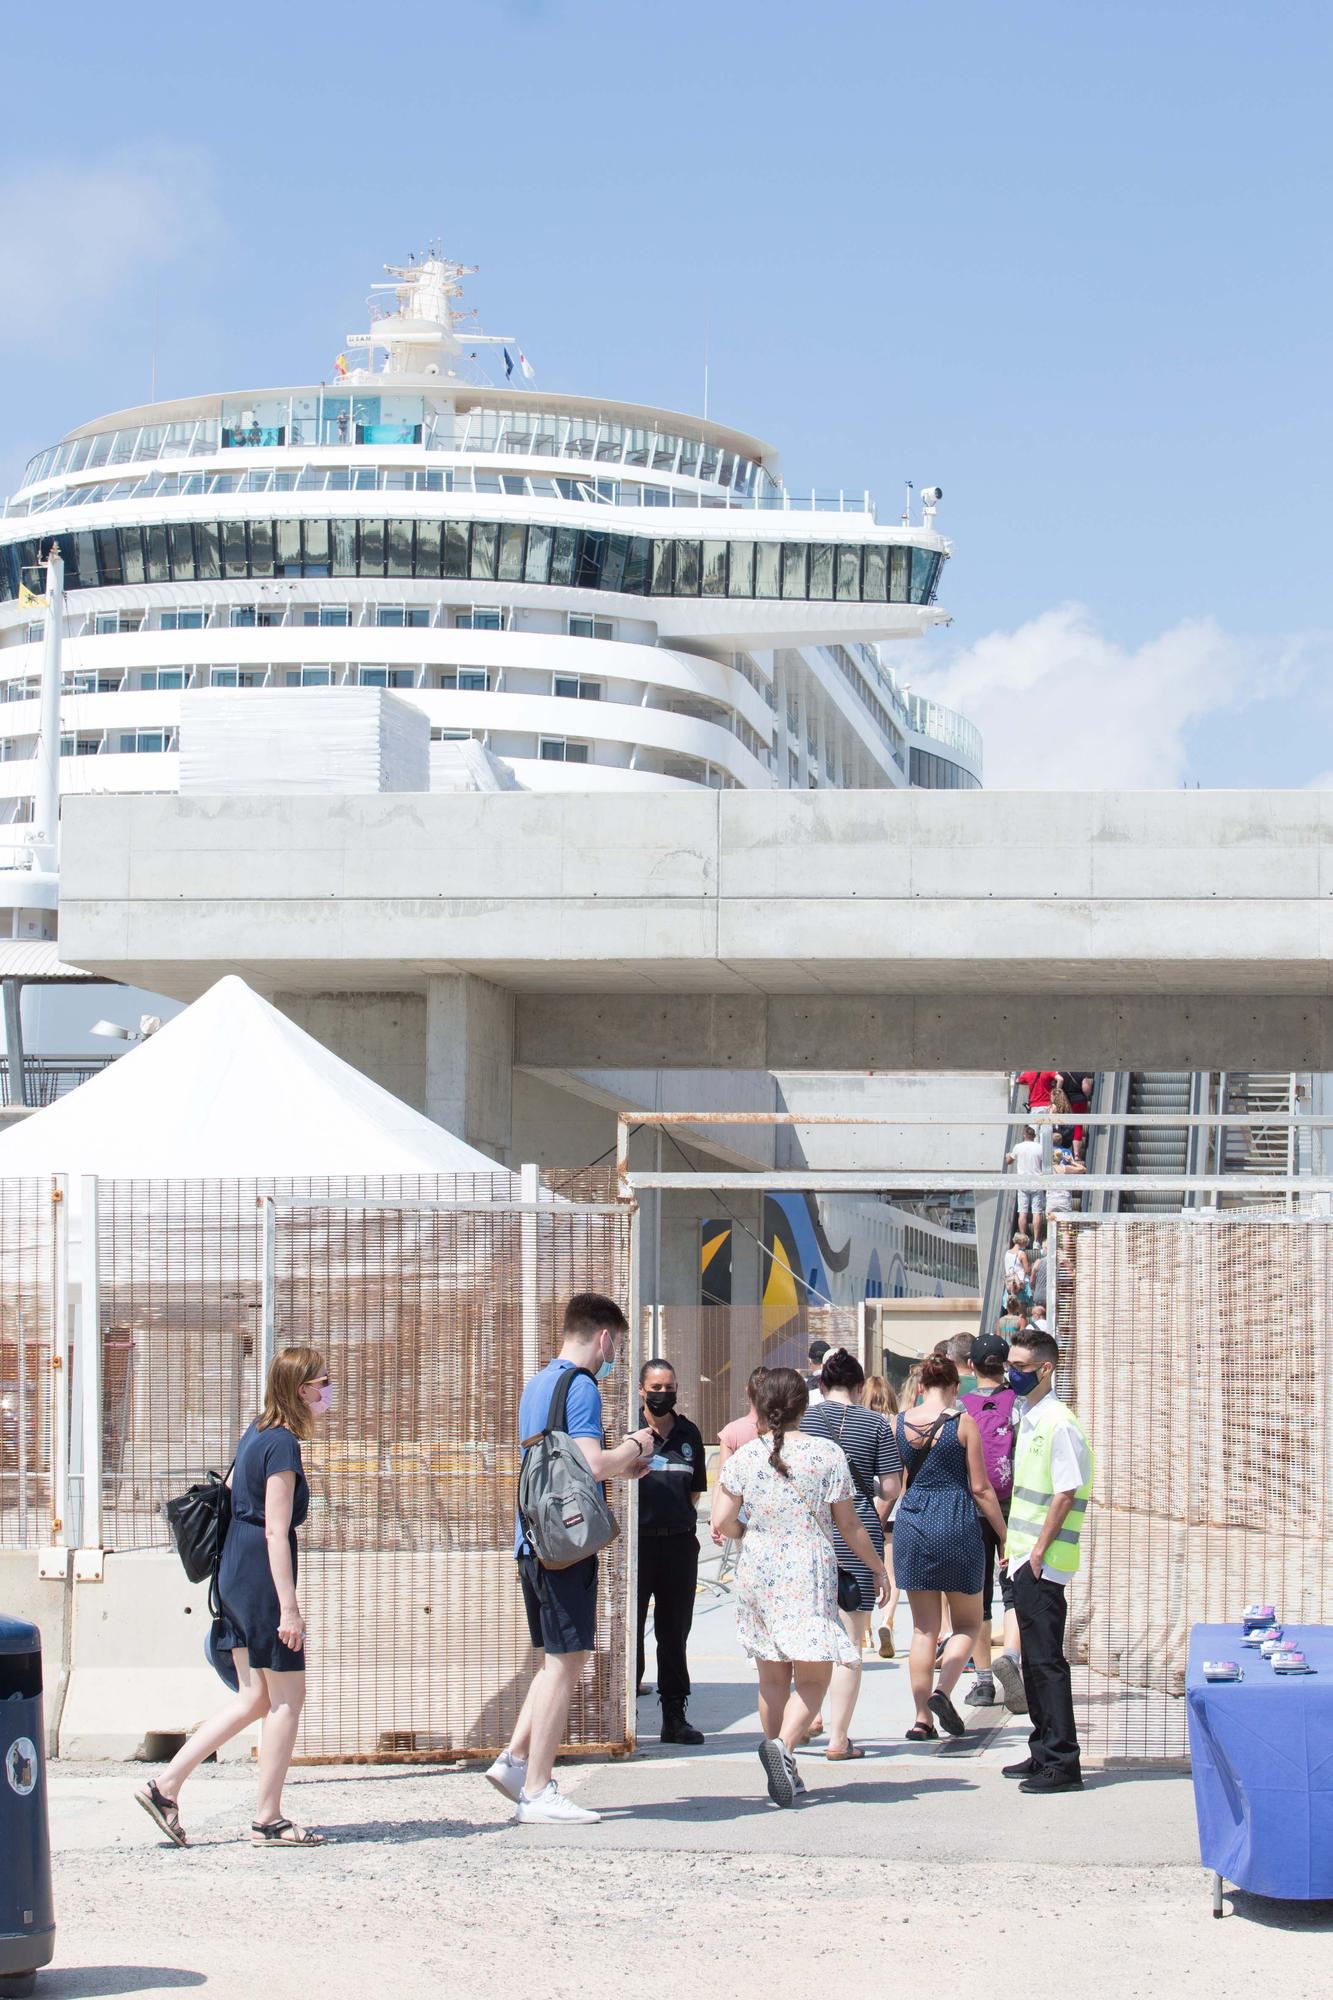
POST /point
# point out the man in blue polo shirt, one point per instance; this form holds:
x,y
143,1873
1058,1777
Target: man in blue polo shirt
x,y
561,1604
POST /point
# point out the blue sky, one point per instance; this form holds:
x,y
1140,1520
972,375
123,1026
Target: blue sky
x,y
1070,262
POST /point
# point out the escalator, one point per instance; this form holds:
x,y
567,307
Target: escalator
x,y
1157,1149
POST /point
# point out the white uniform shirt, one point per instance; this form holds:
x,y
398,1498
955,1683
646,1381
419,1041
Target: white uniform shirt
x,y
1071,1461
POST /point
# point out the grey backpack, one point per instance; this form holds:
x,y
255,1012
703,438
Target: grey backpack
x,y
560,1504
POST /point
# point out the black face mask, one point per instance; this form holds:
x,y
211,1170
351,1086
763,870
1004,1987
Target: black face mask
x,y
659,1402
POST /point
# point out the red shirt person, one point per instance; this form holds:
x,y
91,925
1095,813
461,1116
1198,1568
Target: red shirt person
x,y
1039,1084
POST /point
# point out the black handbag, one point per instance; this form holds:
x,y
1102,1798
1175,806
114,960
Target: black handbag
x,y
849,1588
197,1523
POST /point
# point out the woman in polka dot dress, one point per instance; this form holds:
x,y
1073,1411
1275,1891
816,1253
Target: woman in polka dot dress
x,y
937,1545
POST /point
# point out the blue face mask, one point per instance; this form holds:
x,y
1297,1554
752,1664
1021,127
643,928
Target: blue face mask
x,y
1023,1380
604,1368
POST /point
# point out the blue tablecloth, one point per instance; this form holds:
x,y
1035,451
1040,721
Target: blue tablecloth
x,y
1262,1753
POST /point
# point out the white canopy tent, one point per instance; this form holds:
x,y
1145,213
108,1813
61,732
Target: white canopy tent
x,y
232,1089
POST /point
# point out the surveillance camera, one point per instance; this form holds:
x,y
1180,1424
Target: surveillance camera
x,y
433,368
931,496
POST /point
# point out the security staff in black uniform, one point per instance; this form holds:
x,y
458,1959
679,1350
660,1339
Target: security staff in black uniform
x,y
669,1544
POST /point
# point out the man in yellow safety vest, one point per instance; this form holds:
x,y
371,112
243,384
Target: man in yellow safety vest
x,y
1052,1484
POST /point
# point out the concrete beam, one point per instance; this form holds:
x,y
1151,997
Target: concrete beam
x,y
937,1032
756,930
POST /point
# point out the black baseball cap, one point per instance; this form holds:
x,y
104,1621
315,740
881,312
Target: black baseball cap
x,y
990,1347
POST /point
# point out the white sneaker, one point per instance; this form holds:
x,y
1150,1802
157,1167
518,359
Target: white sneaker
x,y
507,1774
780,1770
552,1808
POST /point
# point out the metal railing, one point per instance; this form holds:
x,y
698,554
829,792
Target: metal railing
x,y
47,1078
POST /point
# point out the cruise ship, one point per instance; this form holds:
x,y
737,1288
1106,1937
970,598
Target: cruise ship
x,y
581,593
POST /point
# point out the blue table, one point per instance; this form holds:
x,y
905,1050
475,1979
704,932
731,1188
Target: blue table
x,y
1262,1752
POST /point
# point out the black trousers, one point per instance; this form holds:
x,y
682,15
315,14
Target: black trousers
x,y
668,1573
1041,1612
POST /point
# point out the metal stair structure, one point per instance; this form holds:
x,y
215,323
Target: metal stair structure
x,y
1157,1149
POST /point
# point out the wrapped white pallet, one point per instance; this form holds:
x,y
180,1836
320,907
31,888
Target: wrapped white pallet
x,y
305,740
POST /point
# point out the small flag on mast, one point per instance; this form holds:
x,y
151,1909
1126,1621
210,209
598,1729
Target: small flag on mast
x,y
525,364
340,368
509,362
30,600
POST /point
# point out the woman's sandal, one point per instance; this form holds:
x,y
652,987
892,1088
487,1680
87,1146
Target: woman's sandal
x,y
164,1811
923,1732
282,1833
846,1756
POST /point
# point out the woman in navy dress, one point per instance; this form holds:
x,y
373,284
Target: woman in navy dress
x,y
937,1545
261,1633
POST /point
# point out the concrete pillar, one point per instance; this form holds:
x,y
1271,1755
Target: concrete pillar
x,y
683,1213
470,1060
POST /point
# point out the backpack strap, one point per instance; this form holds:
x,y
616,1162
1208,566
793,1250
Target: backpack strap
x,y
557,1413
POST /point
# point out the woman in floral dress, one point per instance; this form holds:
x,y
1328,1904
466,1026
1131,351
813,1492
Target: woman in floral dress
x,y
793,1489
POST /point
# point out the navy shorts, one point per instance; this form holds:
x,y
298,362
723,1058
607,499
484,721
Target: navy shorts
x,y
561,1605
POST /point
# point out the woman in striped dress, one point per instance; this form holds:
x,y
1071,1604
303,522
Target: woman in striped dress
x,y
867,1443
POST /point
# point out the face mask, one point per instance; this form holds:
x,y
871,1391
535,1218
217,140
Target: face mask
x,y
659,1401
323,1402
604,1368
1023,1380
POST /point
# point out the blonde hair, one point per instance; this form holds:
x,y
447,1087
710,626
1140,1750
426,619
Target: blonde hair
x,y
288,1373
879,1395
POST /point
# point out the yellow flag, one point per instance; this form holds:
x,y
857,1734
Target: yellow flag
x,y
29,599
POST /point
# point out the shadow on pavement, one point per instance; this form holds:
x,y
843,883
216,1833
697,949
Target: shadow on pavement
x,y
1278,1915
738,1805
88,1982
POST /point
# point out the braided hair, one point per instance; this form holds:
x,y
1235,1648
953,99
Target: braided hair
x,y
781,1403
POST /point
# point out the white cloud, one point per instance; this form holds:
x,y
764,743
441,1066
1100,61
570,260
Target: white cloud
x,y
1062,707
75,237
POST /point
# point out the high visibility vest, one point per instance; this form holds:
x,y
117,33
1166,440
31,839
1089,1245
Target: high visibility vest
x,y
1033,1493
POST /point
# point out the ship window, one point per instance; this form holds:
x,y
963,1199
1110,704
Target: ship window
x,y
485,535
155,554
315,537
613,562
793,569
206,553
344,548
849,575
875,574
821,570
715,569
400,548
740,572
537,567
563,555
687,569
180,540
923,574
287,548
511,553
261,548
662,563
372,548
766,558
636,566
455,548
473,680
429,539
898,562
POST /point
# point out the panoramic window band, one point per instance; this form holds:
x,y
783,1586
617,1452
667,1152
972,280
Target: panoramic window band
x,y
480,552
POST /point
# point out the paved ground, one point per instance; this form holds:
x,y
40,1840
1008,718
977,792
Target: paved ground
x,y
907,1867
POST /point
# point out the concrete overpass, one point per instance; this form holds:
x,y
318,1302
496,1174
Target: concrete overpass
x,y
440,938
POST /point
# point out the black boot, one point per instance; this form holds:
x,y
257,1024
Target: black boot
x,y
676,1728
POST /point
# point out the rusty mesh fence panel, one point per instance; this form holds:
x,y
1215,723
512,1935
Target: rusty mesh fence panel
x,y
714,1348
29,1384
418,1643
1198,1356
180,1306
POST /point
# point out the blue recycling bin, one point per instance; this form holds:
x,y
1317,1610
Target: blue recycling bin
x,y
27,1913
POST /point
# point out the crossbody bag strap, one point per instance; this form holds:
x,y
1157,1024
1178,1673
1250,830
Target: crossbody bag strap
x,y
866,1492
